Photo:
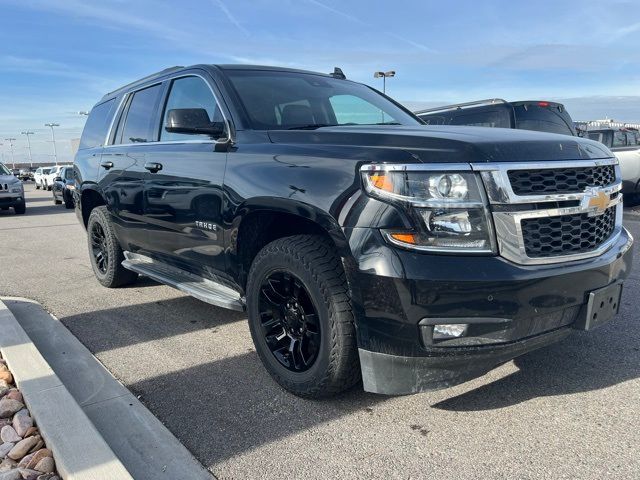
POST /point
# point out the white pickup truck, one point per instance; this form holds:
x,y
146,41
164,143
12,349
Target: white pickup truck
x,y
624,142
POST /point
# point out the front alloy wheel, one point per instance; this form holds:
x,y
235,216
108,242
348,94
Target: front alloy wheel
x,y
289,321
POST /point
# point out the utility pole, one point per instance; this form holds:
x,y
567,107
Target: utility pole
x,y
2,153
27,133
11,140
53,139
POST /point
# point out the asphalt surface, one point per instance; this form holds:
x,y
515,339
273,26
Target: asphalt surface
x,y
571,410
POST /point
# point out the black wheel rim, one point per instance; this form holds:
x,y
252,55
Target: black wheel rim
x,y
99,248
289,321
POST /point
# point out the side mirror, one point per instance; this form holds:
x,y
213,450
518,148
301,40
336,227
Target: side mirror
x,y
57,179
194,121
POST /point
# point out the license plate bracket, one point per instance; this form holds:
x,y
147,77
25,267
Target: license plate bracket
x,y
603,305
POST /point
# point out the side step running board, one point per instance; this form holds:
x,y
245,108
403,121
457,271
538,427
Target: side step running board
x,y
198,287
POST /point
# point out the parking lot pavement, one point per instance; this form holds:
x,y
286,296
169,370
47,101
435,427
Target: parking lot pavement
x,y
569,411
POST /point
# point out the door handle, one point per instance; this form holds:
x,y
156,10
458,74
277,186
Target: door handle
x,y
153,167
106,165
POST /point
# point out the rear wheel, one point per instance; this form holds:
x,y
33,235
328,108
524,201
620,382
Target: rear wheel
x,y
300,316
105,251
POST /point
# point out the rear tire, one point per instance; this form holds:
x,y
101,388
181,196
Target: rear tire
x,y
306,264
105,252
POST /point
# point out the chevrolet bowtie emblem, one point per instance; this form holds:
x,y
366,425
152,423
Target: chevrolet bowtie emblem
x,y
595,201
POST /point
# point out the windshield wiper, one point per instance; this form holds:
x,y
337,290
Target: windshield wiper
x,y
312,126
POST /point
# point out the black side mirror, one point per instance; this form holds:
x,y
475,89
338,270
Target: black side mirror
x,y
193,121
57,179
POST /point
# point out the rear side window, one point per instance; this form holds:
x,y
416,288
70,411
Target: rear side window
x,y
619,139
486,118
633,139
139,126
95,130
190,92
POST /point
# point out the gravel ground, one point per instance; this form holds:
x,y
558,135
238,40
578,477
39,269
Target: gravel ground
x,y
569,411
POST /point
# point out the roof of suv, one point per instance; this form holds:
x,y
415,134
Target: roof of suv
x,y
178,68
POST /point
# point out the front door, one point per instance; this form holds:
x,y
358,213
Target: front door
x,y
183,187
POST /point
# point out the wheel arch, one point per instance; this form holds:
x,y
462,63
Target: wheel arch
x,y
90,198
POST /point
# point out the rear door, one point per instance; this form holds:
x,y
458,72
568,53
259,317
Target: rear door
x,y
122,162
184,189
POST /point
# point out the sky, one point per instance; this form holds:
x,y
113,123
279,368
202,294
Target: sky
x,y
59,57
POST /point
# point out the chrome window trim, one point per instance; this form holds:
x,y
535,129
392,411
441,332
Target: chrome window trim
x,y
170,142
496,180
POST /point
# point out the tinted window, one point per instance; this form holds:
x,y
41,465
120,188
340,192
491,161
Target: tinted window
x,y
483,118
68,173
4,170
190,92
632,139
552,118
281,100
95,130
619,139
140,123
433,119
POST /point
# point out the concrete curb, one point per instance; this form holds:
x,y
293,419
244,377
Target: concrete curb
x,y
79,450
146,448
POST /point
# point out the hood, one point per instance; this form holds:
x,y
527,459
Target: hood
x,y
8,179
433,143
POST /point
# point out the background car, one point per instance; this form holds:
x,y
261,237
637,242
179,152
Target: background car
x,y
50,177
38,176
624,142
25,174
537,115
11,191
63,186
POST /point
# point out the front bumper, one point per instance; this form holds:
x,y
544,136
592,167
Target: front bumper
x,y
11,199
532,306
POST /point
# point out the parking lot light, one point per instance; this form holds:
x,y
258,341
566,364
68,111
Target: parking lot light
x,y
53,140
11,140
27,133
384,76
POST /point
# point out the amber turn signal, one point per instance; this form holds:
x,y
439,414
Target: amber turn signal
x,y
405,238
382,181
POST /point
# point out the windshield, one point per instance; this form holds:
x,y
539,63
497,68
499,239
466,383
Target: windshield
x,y
287,100
4,170
46,171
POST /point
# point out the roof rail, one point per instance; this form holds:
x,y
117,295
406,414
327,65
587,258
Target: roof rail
x,y
456,106
148,77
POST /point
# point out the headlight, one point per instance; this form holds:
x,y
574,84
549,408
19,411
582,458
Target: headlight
x,y
17,188
448,209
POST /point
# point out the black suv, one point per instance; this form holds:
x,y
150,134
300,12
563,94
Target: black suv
x,y
538,115
362,243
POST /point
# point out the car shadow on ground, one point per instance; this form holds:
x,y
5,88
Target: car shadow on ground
x,y
104,330
36,210
227,406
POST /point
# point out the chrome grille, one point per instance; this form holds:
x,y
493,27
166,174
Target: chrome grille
x,y
560,180
566,234
549,212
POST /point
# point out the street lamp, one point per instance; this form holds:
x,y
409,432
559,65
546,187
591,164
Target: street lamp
x,y
53,140
27,133
11,140
384,76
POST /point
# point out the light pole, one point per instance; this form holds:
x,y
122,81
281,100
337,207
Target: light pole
x,y
384,76
11,140
2,161
27,133
53,140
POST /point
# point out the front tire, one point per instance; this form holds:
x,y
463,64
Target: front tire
x,y
301,318
20,209
105,252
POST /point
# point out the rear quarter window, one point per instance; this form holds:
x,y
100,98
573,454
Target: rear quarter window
x,y
95,130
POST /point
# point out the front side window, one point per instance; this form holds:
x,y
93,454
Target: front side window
x,y
190,93
95,130
68,173
139,124
277,100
